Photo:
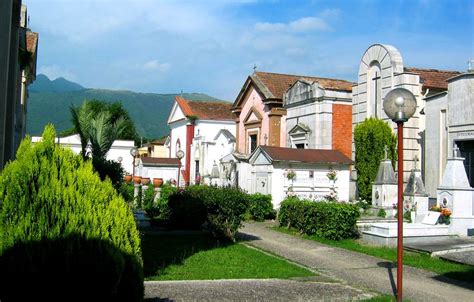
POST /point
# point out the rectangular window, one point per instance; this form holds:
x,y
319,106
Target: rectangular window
x,y
299,146
197,170
253,142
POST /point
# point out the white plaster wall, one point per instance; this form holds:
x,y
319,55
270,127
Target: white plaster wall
x,y
167,173
210,150
433,161
120,148
178,131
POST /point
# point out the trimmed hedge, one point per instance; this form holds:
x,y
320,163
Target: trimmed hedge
x,y
224,208
329,220
63,231
260,207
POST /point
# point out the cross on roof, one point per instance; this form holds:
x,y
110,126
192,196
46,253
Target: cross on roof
x,y
254,67
415,159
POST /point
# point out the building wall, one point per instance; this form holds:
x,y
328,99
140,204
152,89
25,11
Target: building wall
x,y
207,150
436,138
342,128
120,148
392,76
253,101
178,132
10,76
461,108
167,173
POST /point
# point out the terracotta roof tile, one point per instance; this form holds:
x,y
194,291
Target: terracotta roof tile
x,y
206,110
278,84
306,155
159,161
433,78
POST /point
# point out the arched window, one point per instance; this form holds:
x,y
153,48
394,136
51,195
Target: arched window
x,y
374,90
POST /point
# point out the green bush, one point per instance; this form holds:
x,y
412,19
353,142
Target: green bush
x,y
223,208
381,213
260,207
329,220
186,211
64,231
226,207
370,139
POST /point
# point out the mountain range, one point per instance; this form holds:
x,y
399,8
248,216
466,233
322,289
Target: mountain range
x,y
49,102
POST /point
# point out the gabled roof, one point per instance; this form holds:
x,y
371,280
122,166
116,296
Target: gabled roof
x,y
316,156
159,161
205,110
272,86
301,127
278,84
433,78
230,137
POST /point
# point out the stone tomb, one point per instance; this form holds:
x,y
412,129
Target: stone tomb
x,y
384,188
456,194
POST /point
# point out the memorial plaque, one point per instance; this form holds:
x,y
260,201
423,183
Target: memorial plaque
x,y
431,218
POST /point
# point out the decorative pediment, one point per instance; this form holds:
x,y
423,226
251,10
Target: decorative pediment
x,y
299,129
259,158
302,90
253,117
176,114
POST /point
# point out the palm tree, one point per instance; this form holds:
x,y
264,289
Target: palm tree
x,y
100,129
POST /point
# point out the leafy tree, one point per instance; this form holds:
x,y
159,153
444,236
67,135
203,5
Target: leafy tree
x,y
370,138
63,230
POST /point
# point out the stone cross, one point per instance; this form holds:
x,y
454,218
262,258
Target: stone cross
x,y
415,159
254,67
455,150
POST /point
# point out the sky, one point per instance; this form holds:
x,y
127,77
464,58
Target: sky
x,y
212,46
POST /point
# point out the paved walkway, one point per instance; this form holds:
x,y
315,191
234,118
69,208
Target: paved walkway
x,y
343,276
355,269
251,290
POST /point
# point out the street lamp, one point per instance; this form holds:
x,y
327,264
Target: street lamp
x,y
179,156
133,153
399,105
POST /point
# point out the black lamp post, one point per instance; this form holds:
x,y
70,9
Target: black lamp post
x,y
399,105
179,156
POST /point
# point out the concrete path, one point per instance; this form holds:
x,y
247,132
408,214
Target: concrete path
x,y
355,269
250,290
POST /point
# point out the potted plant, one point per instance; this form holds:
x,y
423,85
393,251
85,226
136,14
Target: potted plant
x,y
145,181
137,179
157,182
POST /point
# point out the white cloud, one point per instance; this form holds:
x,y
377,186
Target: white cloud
x,y
305,24
154,65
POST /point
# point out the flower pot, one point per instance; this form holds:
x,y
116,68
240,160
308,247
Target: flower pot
x,y
157,182
128,178
145,181
137,180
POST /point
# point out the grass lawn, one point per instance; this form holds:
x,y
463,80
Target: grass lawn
x,y
202,257
452,270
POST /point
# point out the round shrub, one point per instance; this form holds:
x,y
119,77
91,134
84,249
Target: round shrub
x,y
261,207
63,232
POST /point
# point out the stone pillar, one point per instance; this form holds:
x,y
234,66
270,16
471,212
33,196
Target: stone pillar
x,y
136,190
157,196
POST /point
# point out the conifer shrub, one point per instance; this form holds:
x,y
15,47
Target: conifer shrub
x,y
260,207
328,220
370,139
64,234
